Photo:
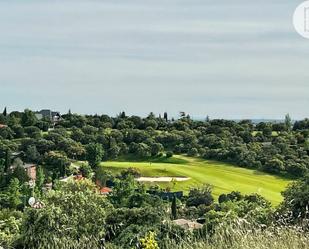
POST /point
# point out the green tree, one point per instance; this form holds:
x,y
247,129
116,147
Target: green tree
x,y
169,154
6,133
19,171
9,227
75,214
296,198
156,148
39,182
86,170
94,154
32,154
199,196
165,116
56,162
7,159
288,122
28,118
13,192
174,208
5,112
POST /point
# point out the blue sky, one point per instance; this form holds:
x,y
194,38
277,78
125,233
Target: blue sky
x,y
229,59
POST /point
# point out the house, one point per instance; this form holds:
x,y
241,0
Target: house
x,y
105,191
48,114
3,126
188,224
31,170
71,177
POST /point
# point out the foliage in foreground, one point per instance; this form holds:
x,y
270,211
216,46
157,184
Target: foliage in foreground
x,y
239,236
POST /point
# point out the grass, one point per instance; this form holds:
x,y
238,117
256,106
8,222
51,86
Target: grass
x,y
223,177
249,237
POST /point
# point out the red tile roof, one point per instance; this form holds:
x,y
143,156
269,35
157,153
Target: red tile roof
x,y
78,177
105,190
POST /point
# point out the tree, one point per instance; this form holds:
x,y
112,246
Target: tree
x,y
18,131
122,191
7,159
296,198
7,133
199,196
165,116
275,165
39,182
10,227
169,154
57,163
288,122
156,148
143,150
75,214
5,112
193,152
174,208
122,115
113,152
28,118
19,171
32,154
103,177
86,170
14,195
94,154
151,123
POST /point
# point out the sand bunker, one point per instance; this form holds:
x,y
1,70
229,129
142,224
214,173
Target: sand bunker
x,y
162,179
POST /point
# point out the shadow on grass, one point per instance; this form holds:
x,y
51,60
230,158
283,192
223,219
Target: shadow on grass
x,y
133,158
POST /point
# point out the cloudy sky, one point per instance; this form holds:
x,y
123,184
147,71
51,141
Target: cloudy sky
x,y
230,59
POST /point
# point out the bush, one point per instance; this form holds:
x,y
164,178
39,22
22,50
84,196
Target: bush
x,y
169,154
199,196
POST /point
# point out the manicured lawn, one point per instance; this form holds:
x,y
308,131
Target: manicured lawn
x,y
222,176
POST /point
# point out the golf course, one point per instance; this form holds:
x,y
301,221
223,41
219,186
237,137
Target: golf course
x,y
223,177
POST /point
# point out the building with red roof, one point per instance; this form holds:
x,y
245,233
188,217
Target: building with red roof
x,y
105,191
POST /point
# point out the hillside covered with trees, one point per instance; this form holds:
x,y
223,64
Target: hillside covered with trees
x,y
76,212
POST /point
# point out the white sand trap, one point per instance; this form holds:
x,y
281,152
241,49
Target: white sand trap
x,y
162,179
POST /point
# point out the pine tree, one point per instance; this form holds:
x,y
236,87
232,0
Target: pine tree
x,y
122,115
7,160
165,116
39,182
14,193
174,208
288,122
5,112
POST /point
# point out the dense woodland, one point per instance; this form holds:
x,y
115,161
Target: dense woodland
x,y
75,215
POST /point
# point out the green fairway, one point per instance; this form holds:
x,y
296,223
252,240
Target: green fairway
x,y
222,176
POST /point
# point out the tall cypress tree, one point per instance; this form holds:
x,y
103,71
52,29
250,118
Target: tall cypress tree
x,y
174,208
5,112
165,116
7,160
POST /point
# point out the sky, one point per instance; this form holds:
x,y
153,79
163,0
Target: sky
x,y
226,59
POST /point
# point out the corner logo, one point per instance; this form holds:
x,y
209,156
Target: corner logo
x,y
301,19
